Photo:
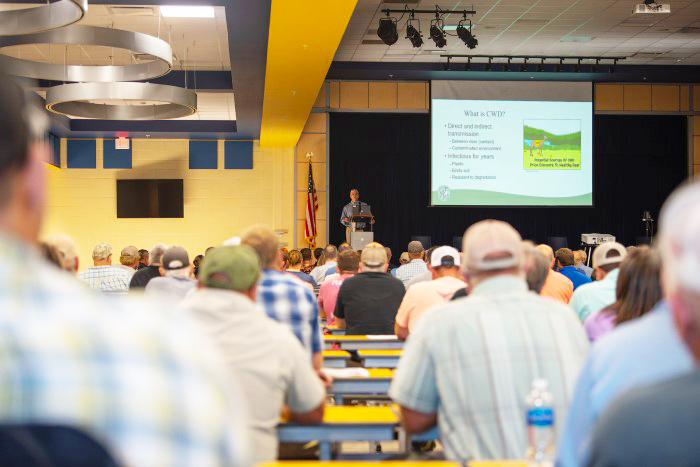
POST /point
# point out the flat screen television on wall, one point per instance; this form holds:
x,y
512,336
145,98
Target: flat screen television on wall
x,y
150,199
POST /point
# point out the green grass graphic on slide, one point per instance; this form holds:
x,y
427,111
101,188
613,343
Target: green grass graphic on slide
x,y
495,198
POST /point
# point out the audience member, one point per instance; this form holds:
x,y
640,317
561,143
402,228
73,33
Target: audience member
x,y
344,246
103,276
143,259
368,302
416,265
283,297
388,258
656,348
428,274
206,252
448,371
197,265
307,257
404,258
129,260
332,273
565,265
267,359
446,280
294,264
140,379
144,275
348,265
176,275
318,252
638,291
580,258
282,259
536,267
50,254
330,253
595,296
66,250
556,286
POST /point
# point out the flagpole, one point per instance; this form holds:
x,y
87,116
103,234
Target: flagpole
x,y
309,156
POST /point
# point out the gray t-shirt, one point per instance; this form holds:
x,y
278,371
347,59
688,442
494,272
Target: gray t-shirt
x,y
175,288
655,425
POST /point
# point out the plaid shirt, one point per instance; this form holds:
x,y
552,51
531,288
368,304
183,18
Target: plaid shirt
x,y
287,300
107,279
130,373
410,270
473,361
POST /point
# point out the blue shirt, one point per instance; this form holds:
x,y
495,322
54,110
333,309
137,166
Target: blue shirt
x,y
639,352
305,277
289,302
575,276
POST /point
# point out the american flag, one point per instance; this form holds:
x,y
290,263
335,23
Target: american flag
x,y
311,208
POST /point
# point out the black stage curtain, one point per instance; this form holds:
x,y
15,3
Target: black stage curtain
x,y
638,161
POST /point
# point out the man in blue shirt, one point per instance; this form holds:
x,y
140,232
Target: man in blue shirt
x,y
565,265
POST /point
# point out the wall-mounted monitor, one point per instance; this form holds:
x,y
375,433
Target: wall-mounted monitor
x,y
150,198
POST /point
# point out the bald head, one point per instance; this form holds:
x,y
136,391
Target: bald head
x,y
548,253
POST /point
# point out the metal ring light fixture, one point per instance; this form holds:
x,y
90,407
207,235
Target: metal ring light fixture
x,y
90,35
71,99
43,18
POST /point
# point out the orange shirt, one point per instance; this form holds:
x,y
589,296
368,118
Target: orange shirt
x,y
423,295
558,287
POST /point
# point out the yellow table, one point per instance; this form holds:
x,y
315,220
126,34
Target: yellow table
x,y
380,358
343,423
349,342
334,330
335,358
377,383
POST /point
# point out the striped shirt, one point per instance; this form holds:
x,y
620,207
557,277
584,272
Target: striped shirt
x,y
473,361
410,270
134,375
107,279
286,300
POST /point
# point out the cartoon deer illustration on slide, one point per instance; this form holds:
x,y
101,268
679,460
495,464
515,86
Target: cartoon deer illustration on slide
x,y
538,144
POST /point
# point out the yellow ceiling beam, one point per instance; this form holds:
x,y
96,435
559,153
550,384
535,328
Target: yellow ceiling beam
x,y
304,36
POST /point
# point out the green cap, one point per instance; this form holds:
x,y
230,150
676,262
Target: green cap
x,y
230,267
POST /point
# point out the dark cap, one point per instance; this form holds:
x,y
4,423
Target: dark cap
x,y
175,258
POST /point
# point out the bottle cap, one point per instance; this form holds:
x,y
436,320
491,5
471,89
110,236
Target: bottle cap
x,y
540,384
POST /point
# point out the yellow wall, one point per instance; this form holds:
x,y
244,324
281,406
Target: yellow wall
x,y
218,203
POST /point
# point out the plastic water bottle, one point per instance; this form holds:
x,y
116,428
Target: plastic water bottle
x,y
540,424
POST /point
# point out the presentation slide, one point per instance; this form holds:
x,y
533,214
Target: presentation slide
x,y
511,144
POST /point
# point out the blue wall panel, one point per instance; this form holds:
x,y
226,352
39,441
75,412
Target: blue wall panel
x,y
203,155
115,158
81,154
238,154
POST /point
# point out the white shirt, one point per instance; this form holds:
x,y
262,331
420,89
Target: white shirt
x,y
319,272
270,363
410,270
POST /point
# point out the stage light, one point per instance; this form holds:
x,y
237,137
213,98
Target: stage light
x,y
387,30
437,34
466,35
414,35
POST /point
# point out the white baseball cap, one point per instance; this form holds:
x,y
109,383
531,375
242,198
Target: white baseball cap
x,y
444,256
605,254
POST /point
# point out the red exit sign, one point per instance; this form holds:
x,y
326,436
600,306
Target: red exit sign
x,y
121,143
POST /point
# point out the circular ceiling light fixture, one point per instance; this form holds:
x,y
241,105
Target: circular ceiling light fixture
x,y
95,36
91,100
43,18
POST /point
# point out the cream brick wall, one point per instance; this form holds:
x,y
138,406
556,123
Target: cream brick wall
x,y
218,204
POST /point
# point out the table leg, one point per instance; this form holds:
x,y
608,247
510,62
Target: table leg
x,y
324,448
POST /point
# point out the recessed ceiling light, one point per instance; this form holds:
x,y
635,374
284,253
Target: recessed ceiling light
x,y
178,11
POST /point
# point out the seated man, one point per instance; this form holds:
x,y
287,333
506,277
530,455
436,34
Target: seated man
x,y
348,263
284,297
565,265
446,280
176,272
593,297
129,260
415,266
143,276
367,303
267,359
104,277
319,272
640,353
448,371
557,286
